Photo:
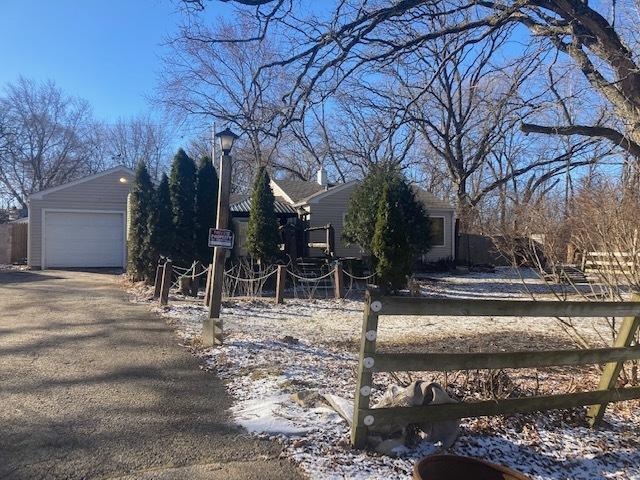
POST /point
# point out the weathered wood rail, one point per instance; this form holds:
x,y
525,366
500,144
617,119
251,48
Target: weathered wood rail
x,y
616,263
371,362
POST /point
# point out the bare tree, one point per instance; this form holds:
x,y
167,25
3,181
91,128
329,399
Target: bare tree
x,y
129,141
311,144
221,82
464,102
45,138
361,35
346,137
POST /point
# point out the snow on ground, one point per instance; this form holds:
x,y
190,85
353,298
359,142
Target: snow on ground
x,y
12,268
272,351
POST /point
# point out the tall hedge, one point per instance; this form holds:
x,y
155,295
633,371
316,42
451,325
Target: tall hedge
x,y
390,243
182,189
160,221
206,207
263,236
140,262
361,217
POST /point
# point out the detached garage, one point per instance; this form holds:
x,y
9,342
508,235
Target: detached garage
x,y
82,223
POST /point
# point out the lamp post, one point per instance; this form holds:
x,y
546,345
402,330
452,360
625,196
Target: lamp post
x,y
212,327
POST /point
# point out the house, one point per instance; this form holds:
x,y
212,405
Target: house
x,y
81,223
240,205
320,203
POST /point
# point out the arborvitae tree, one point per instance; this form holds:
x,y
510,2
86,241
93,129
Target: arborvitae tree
x,y
262,231
182,188
206,207
360,221
160,222
141,202
390,244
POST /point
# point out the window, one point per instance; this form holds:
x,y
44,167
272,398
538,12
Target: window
x,y
437,231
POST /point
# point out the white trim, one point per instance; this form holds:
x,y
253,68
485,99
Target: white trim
x,y
29,237
453,236
43,264
444,229
284,194
39,195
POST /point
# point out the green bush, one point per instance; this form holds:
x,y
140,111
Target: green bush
x,y
206,207
182,189
263,236
141,265
390,244
160,221
409,216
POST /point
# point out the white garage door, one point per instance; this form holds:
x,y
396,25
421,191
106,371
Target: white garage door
x,y
83,239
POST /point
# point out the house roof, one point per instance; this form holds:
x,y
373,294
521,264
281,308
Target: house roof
x,y
299,190
431,201
119,168
242,204
327,192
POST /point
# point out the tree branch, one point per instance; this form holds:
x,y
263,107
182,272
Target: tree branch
x,y
586,131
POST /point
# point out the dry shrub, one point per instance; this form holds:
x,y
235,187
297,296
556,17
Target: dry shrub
x,y
604,227
598,230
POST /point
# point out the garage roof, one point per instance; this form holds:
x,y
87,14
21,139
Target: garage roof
x,y
42,193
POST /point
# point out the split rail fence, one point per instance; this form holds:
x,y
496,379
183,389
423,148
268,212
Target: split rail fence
x,y
366,418
617,263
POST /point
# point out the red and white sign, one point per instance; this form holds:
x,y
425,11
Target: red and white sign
x,y
219,237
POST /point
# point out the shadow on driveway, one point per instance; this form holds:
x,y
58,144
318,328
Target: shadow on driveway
x,y
94,386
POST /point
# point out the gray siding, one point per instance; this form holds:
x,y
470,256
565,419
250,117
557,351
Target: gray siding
x,y
331,209
440,252
103,193
5,243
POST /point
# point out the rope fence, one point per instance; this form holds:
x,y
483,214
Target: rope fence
x,y
238,279
354,277
311,279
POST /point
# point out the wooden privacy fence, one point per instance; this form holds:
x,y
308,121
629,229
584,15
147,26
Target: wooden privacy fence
x,y
370,361
19,239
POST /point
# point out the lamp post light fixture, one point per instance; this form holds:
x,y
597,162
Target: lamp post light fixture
x,y
212,327
226,138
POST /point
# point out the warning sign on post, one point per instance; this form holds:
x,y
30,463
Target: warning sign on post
x,y
220,238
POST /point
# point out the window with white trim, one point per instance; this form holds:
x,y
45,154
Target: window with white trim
x,y
437,231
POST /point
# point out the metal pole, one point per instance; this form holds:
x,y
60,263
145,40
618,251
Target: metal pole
x,y
212,327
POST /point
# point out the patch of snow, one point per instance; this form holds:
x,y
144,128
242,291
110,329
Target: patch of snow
x,y
262,368
267,415
13,268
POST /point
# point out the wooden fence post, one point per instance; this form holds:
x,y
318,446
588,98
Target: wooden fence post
x,y
281,277
338,281
207,288
612,370
361,422
166,282
195,279
157,284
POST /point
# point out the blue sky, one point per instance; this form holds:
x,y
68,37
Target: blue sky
x,y
106,51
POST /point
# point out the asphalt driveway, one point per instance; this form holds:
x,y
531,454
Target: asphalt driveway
x,y
92,386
